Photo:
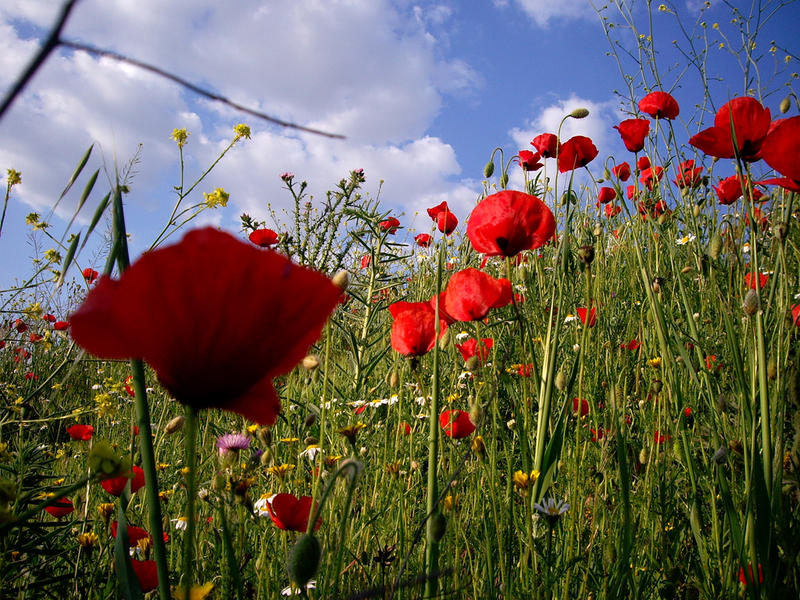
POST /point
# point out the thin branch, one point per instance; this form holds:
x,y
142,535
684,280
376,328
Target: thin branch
x,y
124,59
48,46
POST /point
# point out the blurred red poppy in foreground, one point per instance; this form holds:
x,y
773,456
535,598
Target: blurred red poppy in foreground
x,y
744,580
61,508
633,133
456,424
743,120
147,574
471,294
215,317
264,237
592,316
750,280
508,222
115,485
80,432
291,513
414,327
659,105
576,152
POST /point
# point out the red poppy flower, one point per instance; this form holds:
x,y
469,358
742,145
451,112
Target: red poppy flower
x,y
581,404
606,195
390,225
423,240
651,175
49,318
688,175
446,222
61,508
447,318
264,237
529,161
291,513
659,105
456,424
660,438
20,326
744,580
508,222
729,190
61,325
750,280
612,210
711,360
90,275
147,574
259,315
405,428
434,211
134,534
546,144
414,327
128,389
80,432
471,294
576,152
632,345
633,132
592,316
781,148
471,348
115,485
597,434
622,171
35,337
742,119
365,260
643,163
796,315
790,185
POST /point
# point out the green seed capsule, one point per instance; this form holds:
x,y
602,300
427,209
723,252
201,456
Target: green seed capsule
x,y
785,105
304,560
488,170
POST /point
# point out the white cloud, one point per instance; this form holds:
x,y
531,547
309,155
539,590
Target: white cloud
x,y
364,68
542,11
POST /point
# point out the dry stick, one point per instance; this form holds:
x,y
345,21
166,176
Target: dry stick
x,y
197,90
49,45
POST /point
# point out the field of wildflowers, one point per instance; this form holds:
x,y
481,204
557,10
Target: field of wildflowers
x,y
585,388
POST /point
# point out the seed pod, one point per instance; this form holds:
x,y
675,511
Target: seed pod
x,y
586,254
751,304
772,367
561,381
437,525
785,105
503,180
579,113
714,246
175,425
643,456
475,413
341,280
304,560
310,362
488,170
394,379
696,210
310,420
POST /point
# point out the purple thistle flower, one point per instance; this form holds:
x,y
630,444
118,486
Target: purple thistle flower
x,y
232,442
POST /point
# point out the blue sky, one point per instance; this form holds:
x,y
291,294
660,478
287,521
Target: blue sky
x,y
423,90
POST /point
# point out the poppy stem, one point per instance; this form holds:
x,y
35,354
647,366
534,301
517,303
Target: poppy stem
x,y
432,546
190,440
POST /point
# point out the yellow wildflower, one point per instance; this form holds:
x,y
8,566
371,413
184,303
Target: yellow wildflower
x,y
241,131
14,177
219,197
280,470
180,136
655,362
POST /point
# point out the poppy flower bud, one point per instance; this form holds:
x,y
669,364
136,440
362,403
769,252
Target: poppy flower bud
x,y
720,456
504,180
219,482
696,210
488,170
598,229
394,379
103,459
586,254
310,420
310,362
779,231
785,105
606,173
715,246
643,456
657,281
476,413
473,363
561,381
772,367
304,560
751,303
656,386
437,525
266,457
311,441
175,425
265,436
579,113
444,341
341,280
